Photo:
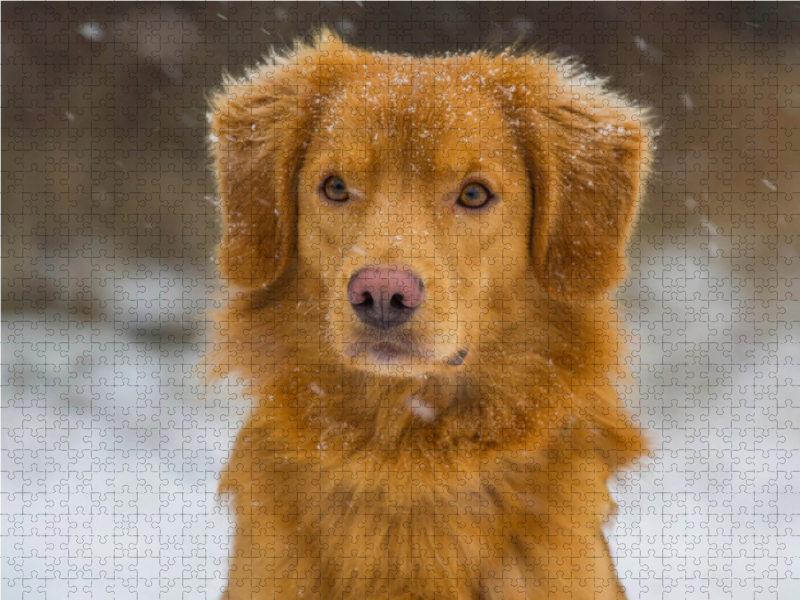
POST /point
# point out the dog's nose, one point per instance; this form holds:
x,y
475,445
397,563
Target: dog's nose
x,y
384,297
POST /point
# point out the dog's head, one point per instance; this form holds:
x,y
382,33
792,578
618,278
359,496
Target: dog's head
x,y
424,196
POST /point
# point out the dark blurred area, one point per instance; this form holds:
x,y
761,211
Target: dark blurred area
x,y
104,108
111,451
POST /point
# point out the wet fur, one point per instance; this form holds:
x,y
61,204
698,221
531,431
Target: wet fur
x,y
339,487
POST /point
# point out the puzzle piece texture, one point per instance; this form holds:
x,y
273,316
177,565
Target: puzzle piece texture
x,y
114,439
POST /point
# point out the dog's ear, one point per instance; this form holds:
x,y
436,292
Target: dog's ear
x,y
260,126
586,151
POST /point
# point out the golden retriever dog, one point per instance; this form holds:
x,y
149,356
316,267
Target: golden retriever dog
x,y
419,253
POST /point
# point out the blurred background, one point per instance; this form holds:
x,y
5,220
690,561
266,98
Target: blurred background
x,y
111,446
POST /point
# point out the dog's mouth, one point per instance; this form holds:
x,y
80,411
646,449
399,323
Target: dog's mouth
x,y
386,352
394,352
382,351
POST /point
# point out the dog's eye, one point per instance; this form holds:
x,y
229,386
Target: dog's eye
x,y
335,189
474,195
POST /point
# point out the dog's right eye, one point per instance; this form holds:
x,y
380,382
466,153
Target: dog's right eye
x,y
474,195
335,189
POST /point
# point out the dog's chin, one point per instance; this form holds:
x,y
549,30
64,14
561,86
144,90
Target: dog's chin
x,y
389,354
401,359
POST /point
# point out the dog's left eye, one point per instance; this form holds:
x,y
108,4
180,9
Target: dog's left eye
x,y
335,189
474,195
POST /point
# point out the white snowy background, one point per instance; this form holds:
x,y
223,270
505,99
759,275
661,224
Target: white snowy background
x,y
111,446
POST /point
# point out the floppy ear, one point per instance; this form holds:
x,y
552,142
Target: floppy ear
x,y
586,151
260,126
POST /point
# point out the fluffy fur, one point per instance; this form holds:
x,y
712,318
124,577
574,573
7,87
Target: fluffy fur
x,y
361,477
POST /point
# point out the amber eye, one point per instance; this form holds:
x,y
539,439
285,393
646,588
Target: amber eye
x,y
474,195
335,189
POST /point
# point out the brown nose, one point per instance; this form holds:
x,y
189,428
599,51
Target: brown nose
x,y
384,297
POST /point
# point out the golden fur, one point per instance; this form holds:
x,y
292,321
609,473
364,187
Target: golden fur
x,y
419,478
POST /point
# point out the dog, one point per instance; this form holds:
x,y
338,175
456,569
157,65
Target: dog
x,y
419,253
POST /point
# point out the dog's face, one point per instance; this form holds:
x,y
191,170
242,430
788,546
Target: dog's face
x,y
427,201
412,208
